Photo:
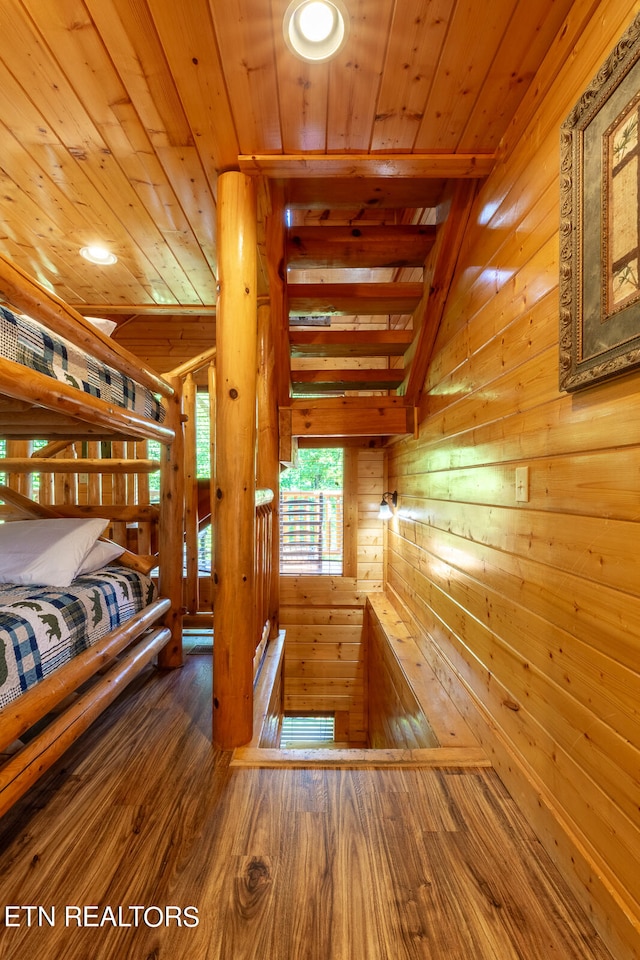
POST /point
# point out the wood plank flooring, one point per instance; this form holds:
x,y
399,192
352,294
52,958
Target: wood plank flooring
x,y
281,864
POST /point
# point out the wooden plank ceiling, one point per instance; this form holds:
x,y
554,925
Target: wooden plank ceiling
x,y
118,116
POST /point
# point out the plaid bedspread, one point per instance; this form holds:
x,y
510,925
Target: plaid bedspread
x,y
25,341
41,629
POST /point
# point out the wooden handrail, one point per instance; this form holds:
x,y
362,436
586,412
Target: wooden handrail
x,y
194,364
263,497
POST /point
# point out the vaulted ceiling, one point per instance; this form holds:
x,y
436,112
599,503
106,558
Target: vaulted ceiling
x,y
118,116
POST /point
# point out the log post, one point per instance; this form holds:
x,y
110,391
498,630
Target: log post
x,y
235,466
20,449
211,382
119,492
94,480
190,493
144,497
269,453
171,528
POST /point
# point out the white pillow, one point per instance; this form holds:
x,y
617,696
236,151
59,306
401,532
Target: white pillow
x,y
101,553
107,326
47,552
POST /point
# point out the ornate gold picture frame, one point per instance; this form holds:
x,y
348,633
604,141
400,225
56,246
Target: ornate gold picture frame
x,y
600,223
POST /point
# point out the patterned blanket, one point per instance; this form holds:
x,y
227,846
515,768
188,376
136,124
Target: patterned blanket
x,y
43,628
27,342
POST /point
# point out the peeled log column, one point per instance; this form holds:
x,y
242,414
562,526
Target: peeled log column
x,y
236,336
171,527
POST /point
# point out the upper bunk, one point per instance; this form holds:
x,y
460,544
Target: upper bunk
x,y
61,376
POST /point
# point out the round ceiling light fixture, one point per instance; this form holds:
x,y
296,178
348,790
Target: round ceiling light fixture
x,y
99,255
315,30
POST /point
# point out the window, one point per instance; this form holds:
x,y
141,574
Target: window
x,y
311,514
203,472
312,728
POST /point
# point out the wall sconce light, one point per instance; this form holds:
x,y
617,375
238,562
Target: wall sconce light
x,y
389,501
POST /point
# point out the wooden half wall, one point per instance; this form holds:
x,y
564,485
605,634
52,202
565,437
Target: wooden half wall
x,y
524,585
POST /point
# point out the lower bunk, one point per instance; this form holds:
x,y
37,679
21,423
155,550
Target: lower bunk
x,y
66,653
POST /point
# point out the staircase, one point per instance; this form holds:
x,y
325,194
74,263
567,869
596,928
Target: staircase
x,y
346,371
364,296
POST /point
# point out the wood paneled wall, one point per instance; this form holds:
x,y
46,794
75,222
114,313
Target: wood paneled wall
x,y
166,341
325,664
531,610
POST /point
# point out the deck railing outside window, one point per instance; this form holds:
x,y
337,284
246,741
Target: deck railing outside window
x,y
311,532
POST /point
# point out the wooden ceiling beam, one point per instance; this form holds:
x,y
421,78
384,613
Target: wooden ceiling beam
x,y
350,299
350,417
359,247
350,343
447,166
144,309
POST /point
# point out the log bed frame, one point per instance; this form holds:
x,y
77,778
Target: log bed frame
x,y
34,406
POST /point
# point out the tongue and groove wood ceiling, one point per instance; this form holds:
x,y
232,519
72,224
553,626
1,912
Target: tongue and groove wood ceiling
x,y
117,117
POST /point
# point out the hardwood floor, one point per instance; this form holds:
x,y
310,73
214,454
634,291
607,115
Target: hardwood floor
x,y
280,864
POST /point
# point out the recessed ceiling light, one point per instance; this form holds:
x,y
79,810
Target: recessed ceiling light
x,y
315,30
316,21
99,255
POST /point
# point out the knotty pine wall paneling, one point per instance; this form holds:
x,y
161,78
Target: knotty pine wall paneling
x,y
530,611
166,341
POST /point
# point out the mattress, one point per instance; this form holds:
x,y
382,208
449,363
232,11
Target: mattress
x,y
43,628
27,342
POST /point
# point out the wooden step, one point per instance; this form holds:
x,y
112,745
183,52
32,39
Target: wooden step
x,y
348,299
306,382
387,246
350,343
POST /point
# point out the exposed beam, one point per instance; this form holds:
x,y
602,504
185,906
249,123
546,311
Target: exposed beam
x,y
350,343
444,165
144,309
365,247
351,417
365,299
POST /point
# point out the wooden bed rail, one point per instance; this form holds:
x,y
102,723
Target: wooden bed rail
x,y
91,481
17,717
64,399
21,772
37,464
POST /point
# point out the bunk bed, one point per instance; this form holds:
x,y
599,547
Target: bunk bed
x,y
80,616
